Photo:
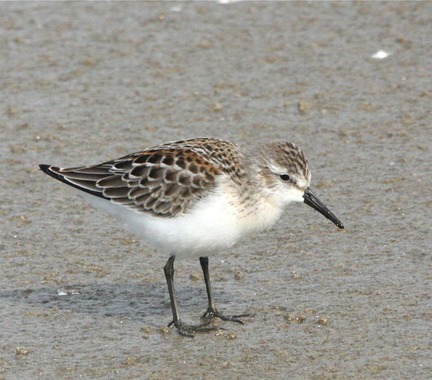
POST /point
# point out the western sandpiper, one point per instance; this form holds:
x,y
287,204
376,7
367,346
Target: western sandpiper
x,y
197,196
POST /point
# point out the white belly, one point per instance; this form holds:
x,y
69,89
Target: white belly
x,y
214,224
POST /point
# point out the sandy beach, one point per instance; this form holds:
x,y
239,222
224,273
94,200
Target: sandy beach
x,y
82,83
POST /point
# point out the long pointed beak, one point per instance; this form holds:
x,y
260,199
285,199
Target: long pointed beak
x,y
312,200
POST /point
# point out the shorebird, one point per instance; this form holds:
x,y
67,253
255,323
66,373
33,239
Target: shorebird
x,y
197,196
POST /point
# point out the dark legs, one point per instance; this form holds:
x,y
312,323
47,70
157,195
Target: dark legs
x,y
204,261
211,311
188,330
169,275
183,329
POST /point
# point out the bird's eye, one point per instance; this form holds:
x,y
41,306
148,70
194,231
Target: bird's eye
x,y
284,177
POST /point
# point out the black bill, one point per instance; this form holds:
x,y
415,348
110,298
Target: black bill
x,y
311,200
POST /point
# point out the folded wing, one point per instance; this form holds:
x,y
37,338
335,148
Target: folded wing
x,y
165,181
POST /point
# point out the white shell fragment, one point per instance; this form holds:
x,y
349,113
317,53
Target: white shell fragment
x,y
380,54
67,291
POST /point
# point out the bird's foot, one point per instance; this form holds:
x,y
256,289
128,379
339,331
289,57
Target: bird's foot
x,y
210,314
189,330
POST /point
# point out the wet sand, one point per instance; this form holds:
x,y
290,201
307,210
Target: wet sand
x,y
85,82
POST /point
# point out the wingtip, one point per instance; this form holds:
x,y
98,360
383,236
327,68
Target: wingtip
x,y
44,167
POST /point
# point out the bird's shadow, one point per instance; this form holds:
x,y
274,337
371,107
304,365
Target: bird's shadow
x,y
133,301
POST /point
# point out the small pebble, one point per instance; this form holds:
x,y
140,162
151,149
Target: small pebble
x,y
217,107
323,321
21,351
303,106
300,319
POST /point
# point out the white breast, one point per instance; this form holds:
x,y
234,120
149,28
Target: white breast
x,y
215,223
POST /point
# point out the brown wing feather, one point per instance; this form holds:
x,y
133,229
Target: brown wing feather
x,y
164,180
